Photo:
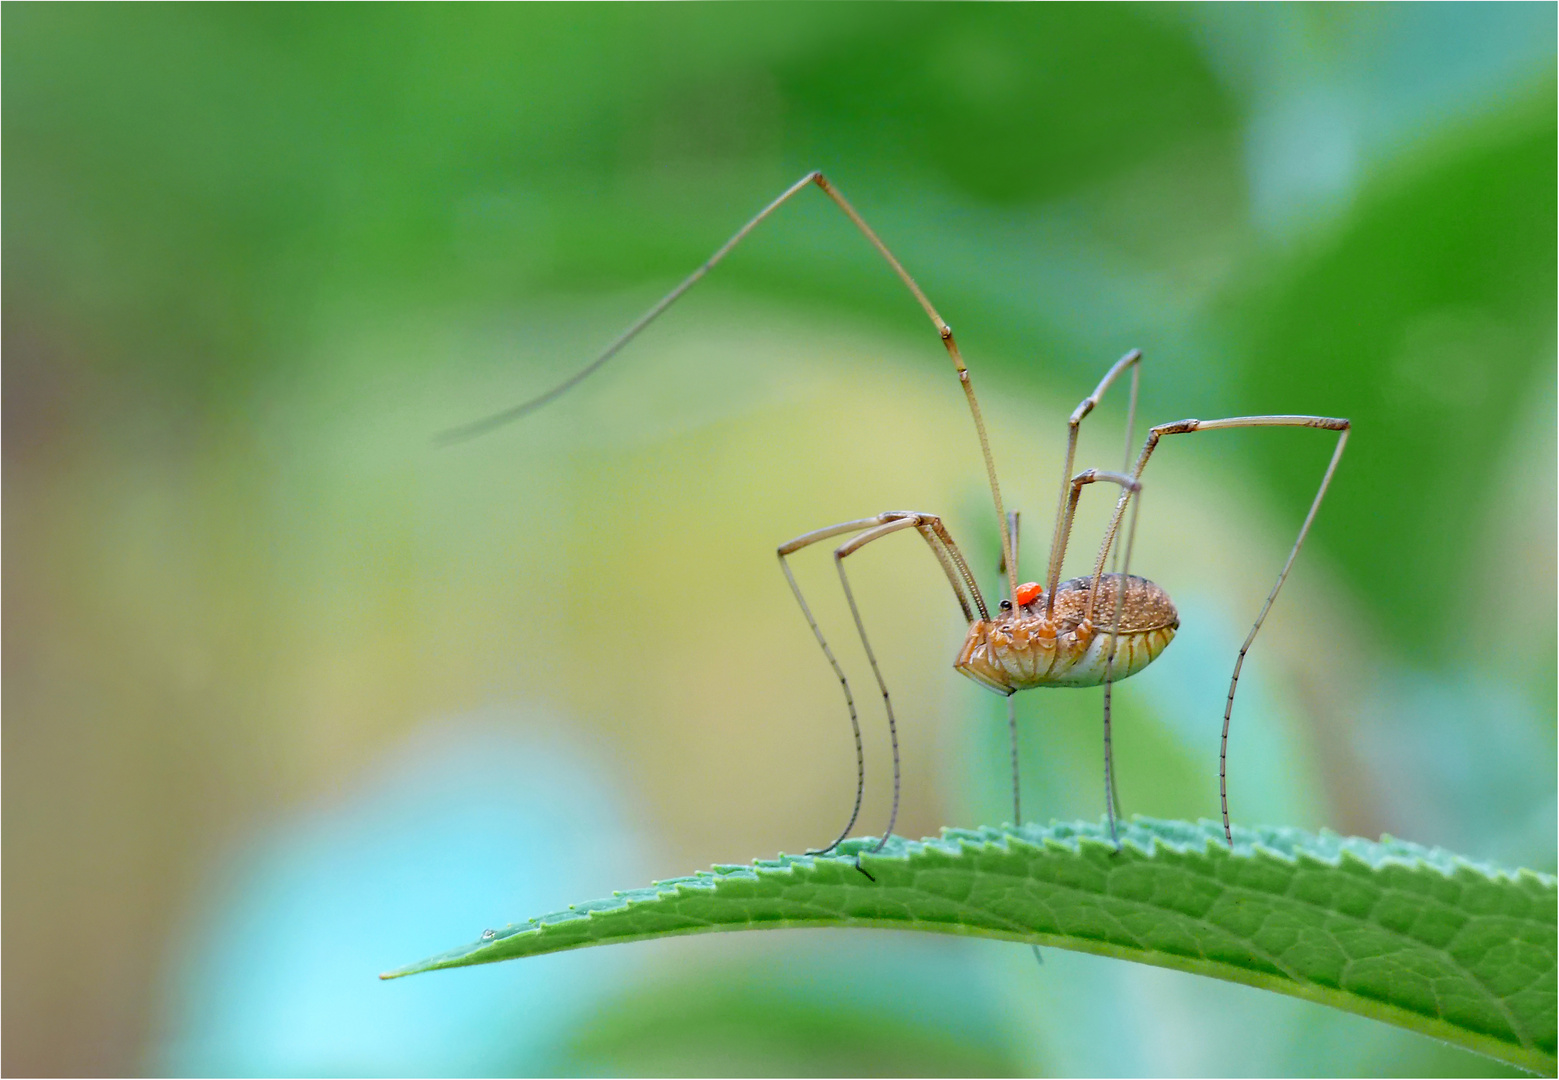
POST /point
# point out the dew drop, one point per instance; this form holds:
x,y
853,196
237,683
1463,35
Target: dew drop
x,y
488,935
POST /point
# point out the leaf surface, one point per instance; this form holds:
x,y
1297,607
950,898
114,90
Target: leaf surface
x,y
1410,935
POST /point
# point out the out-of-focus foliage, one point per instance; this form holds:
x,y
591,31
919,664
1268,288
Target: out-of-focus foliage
x,y
256,256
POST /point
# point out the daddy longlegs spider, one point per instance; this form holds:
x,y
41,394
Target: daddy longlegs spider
x,y
1041,634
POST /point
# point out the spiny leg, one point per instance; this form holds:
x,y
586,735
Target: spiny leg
x,y
944,332
1183,427
952,562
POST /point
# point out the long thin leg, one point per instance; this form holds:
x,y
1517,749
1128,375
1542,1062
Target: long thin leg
x,y
941,541
959,576
1017,806
1183,427
1012,709
944,332
1012,725
1112,782
1131,415
1069,508
1065,510
887,704
833,662
849,701
1112,803
840,553
1012,531
1129,485
1012,734
1132,360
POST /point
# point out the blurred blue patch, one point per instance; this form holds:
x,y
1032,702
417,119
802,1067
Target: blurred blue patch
x,y
470,824
1271,773
1466,762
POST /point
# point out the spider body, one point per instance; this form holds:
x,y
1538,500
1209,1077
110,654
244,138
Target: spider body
x,y
1086,631
1060,644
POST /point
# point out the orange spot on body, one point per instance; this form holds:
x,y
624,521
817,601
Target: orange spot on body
x,y
1028,593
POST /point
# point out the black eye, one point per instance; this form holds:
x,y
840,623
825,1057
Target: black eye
x,y
1006,605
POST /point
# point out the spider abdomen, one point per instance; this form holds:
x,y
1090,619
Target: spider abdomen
x,y
1069,645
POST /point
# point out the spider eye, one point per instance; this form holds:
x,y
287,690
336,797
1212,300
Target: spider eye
x,y
1029,592
1006,605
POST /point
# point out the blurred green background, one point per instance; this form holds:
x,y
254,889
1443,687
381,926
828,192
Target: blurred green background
x,y
292,696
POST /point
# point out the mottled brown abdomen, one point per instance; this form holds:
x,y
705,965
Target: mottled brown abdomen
x,y
1026,648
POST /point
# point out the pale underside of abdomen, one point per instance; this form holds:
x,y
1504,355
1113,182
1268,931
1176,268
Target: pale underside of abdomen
x,y
1082,664
1025,650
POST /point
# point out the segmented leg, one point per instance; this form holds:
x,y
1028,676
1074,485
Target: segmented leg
x,y
1112,804
944,332
1012,710
1012,726
931,529
1017,806
1065,510
1132,360
1184,427
1129,485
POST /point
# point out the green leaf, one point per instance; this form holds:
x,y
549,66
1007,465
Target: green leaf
x,y
1410,935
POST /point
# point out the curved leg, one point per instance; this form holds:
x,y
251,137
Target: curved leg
x,y
1063,529
931,529
1132,360
1183,427
1129,485
849,701
944,332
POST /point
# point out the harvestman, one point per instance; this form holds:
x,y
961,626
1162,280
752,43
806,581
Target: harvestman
x,y
1041,635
